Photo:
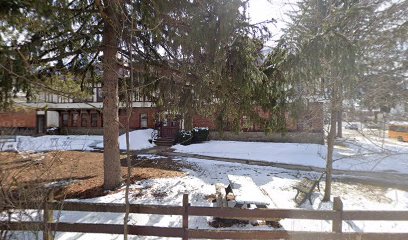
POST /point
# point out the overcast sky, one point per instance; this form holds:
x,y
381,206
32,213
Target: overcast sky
x,y
261,10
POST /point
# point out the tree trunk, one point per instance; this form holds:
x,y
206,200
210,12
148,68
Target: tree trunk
x,y
330,148
340,123
339,108
188,109
111,163
188,120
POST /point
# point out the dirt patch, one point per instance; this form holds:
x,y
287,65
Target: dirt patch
x,y
81,171
373,192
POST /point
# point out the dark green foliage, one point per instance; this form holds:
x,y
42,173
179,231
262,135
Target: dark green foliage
x,y
200,135
196,135
184,137
250,87
190,57
43,39
385,62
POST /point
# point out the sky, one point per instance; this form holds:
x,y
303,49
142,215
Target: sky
x,y
261,10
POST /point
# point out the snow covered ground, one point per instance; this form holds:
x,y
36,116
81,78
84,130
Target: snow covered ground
x,y
276,182
361,151
139,139
354,151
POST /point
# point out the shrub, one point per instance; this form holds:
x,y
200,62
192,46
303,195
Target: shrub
x,y
200,135
184,137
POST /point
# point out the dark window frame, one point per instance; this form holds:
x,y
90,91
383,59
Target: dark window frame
x,y
75,118
64,122
99,94
142,119
84,119
94,119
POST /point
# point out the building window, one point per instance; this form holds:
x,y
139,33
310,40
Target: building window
x,y
84,119
94,119
65,119
99,95
75,117
143,120
122,112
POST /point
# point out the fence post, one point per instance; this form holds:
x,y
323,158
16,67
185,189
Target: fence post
x,y
48,216
186,204
338,219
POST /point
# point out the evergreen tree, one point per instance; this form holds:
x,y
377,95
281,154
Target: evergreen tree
x,y
385,57
218,53
195,56
322,45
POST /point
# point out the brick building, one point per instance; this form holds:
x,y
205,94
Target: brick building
x,y
306,127
72,117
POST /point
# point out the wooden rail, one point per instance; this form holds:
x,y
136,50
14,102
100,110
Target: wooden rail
x,y
337,216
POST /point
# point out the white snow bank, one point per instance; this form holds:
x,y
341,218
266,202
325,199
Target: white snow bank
x,y
57,142
138,139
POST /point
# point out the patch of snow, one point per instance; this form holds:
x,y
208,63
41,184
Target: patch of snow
x,y
138,139
399,123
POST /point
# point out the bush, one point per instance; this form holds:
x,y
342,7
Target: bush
x,y
200,135
184,137
197,135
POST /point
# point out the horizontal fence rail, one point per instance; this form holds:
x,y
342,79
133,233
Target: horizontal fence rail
x,y
337,216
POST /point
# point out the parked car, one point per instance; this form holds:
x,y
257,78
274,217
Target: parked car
x,y
53,131
352,126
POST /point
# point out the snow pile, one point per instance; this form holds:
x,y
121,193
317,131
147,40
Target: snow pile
x,y
138,139
57,143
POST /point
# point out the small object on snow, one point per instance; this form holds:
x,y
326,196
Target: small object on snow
x,y
8,143
220,195
352,126
230,196
231,203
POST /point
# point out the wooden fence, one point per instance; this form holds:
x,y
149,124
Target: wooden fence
x,y
336,216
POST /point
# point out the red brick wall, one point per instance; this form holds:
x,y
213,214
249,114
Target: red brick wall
x,y
200,121
134,121
22,118
310,120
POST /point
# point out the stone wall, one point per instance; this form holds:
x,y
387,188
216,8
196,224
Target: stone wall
x,y
18,131
290,137
81,131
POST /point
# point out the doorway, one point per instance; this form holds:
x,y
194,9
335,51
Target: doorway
x,y
40,124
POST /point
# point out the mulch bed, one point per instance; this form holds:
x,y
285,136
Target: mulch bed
x,y
83,171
